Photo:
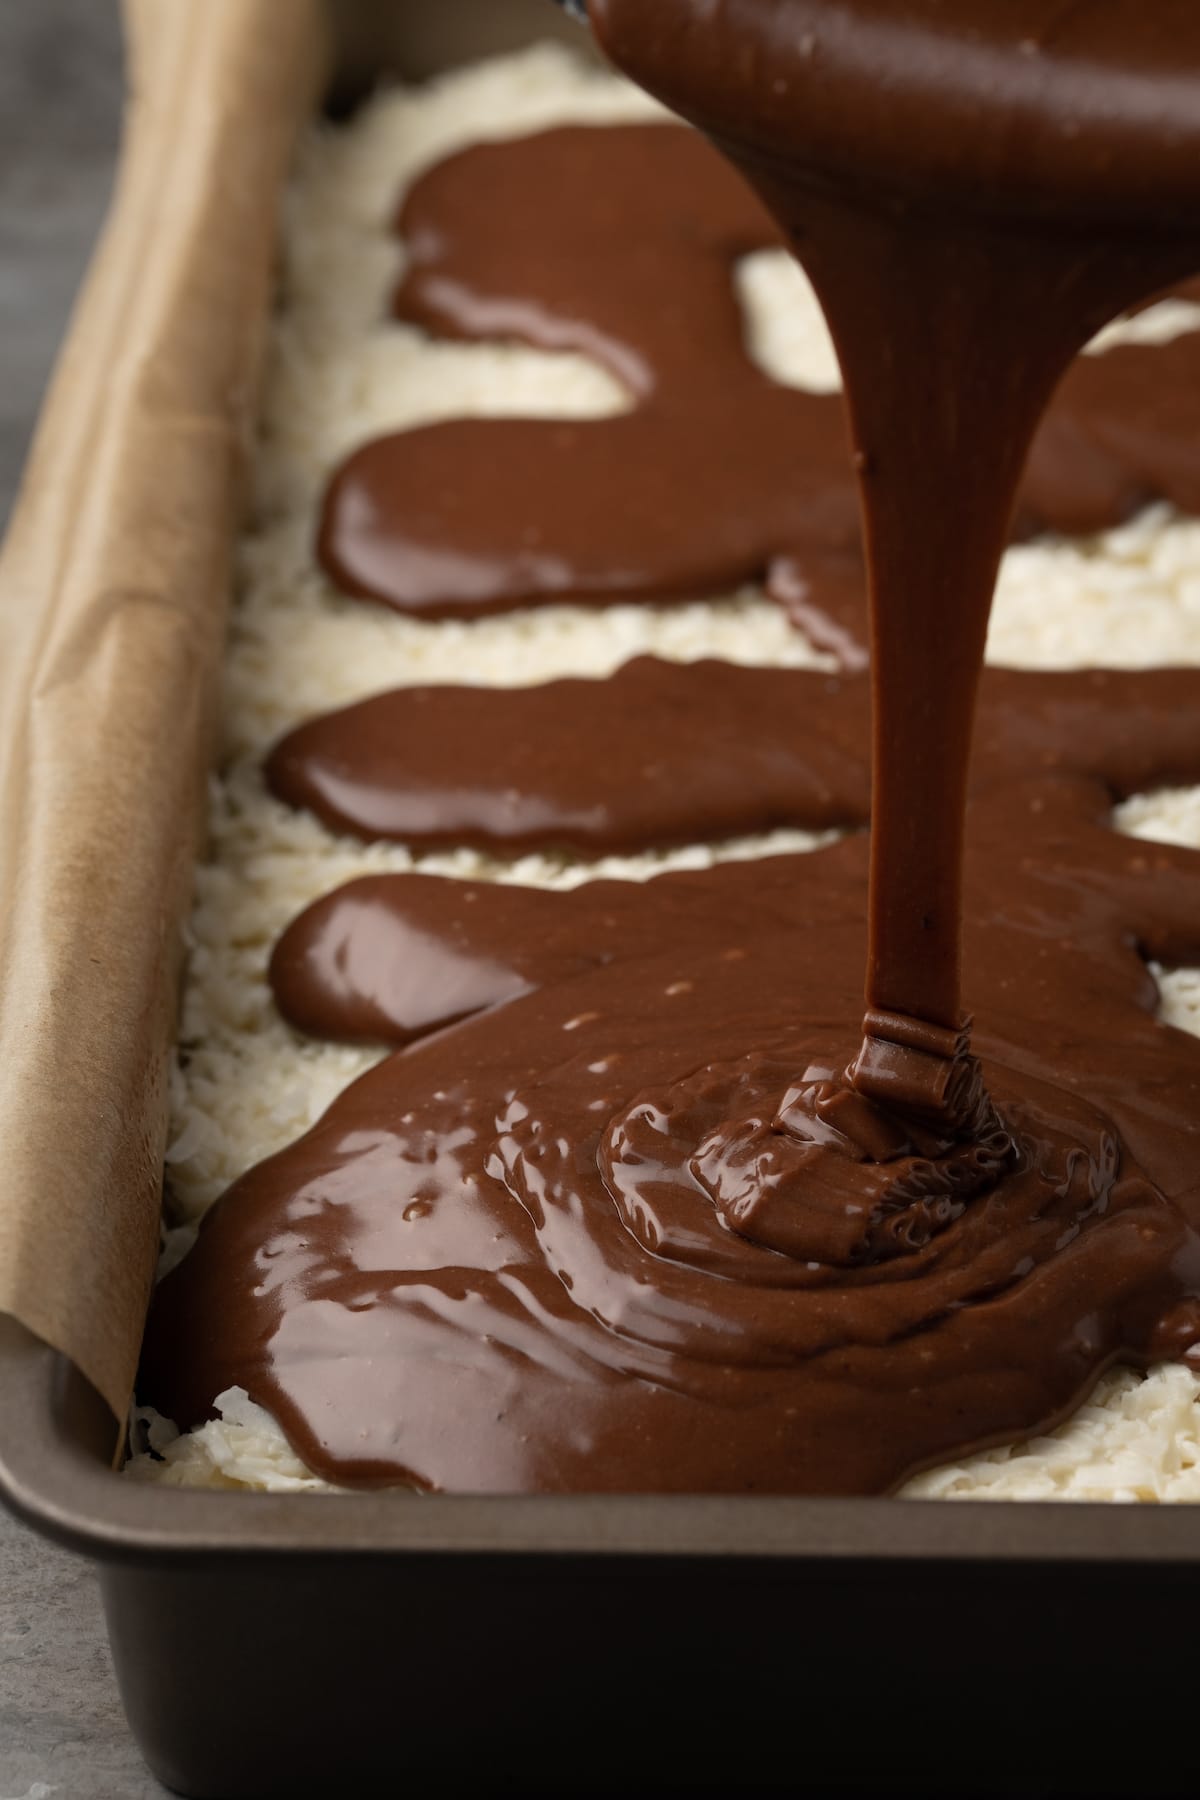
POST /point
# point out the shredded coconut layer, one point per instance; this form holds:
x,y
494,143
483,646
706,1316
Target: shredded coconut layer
x,y
341,371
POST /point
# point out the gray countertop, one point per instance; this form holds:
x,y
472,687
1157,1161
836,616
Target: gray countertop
x,y
62,1732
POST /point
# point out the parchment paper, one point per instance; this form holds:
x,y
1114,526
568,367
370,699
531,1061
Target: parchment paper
x,y
113,590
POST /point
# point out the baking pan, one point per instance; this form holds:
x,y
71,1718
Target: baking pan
x,y
271,1645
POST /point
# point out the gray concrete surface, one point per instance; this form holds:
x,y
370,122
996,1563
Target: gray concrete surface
x,y
62,1733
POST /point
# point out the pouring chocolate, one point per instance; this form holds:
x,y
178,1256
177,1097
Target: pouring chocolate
x,y
650,1216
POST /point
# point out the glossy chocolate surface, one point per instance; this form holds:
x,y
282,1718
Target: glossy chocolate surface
x,y
662,753
639,1207
565,1244
621,243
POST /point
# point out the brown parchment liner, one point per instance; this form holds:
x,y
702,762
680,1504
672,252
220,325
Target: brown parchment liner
x,y
113,592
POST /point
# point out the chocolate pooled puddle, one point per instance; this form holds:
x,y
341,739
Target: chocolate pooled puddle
x,y
563,1245
650,1222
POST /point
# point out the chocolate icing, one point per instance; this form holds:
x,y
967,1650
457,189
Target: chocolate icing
x,y
499,1262
664,753
642,1219
389,959
603,241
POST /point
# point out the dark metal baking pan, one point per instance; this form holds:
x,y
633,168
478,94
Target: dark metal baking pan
x,y
386,1642
291,1645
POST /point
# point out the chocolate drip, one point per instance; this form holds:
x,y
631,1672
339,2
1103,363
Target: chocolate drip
x,y
391,958
665,753
620,242
642,1218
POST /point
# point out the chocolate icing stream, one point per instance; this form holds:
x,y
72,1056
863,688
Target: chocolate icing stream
x,y
635,1221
